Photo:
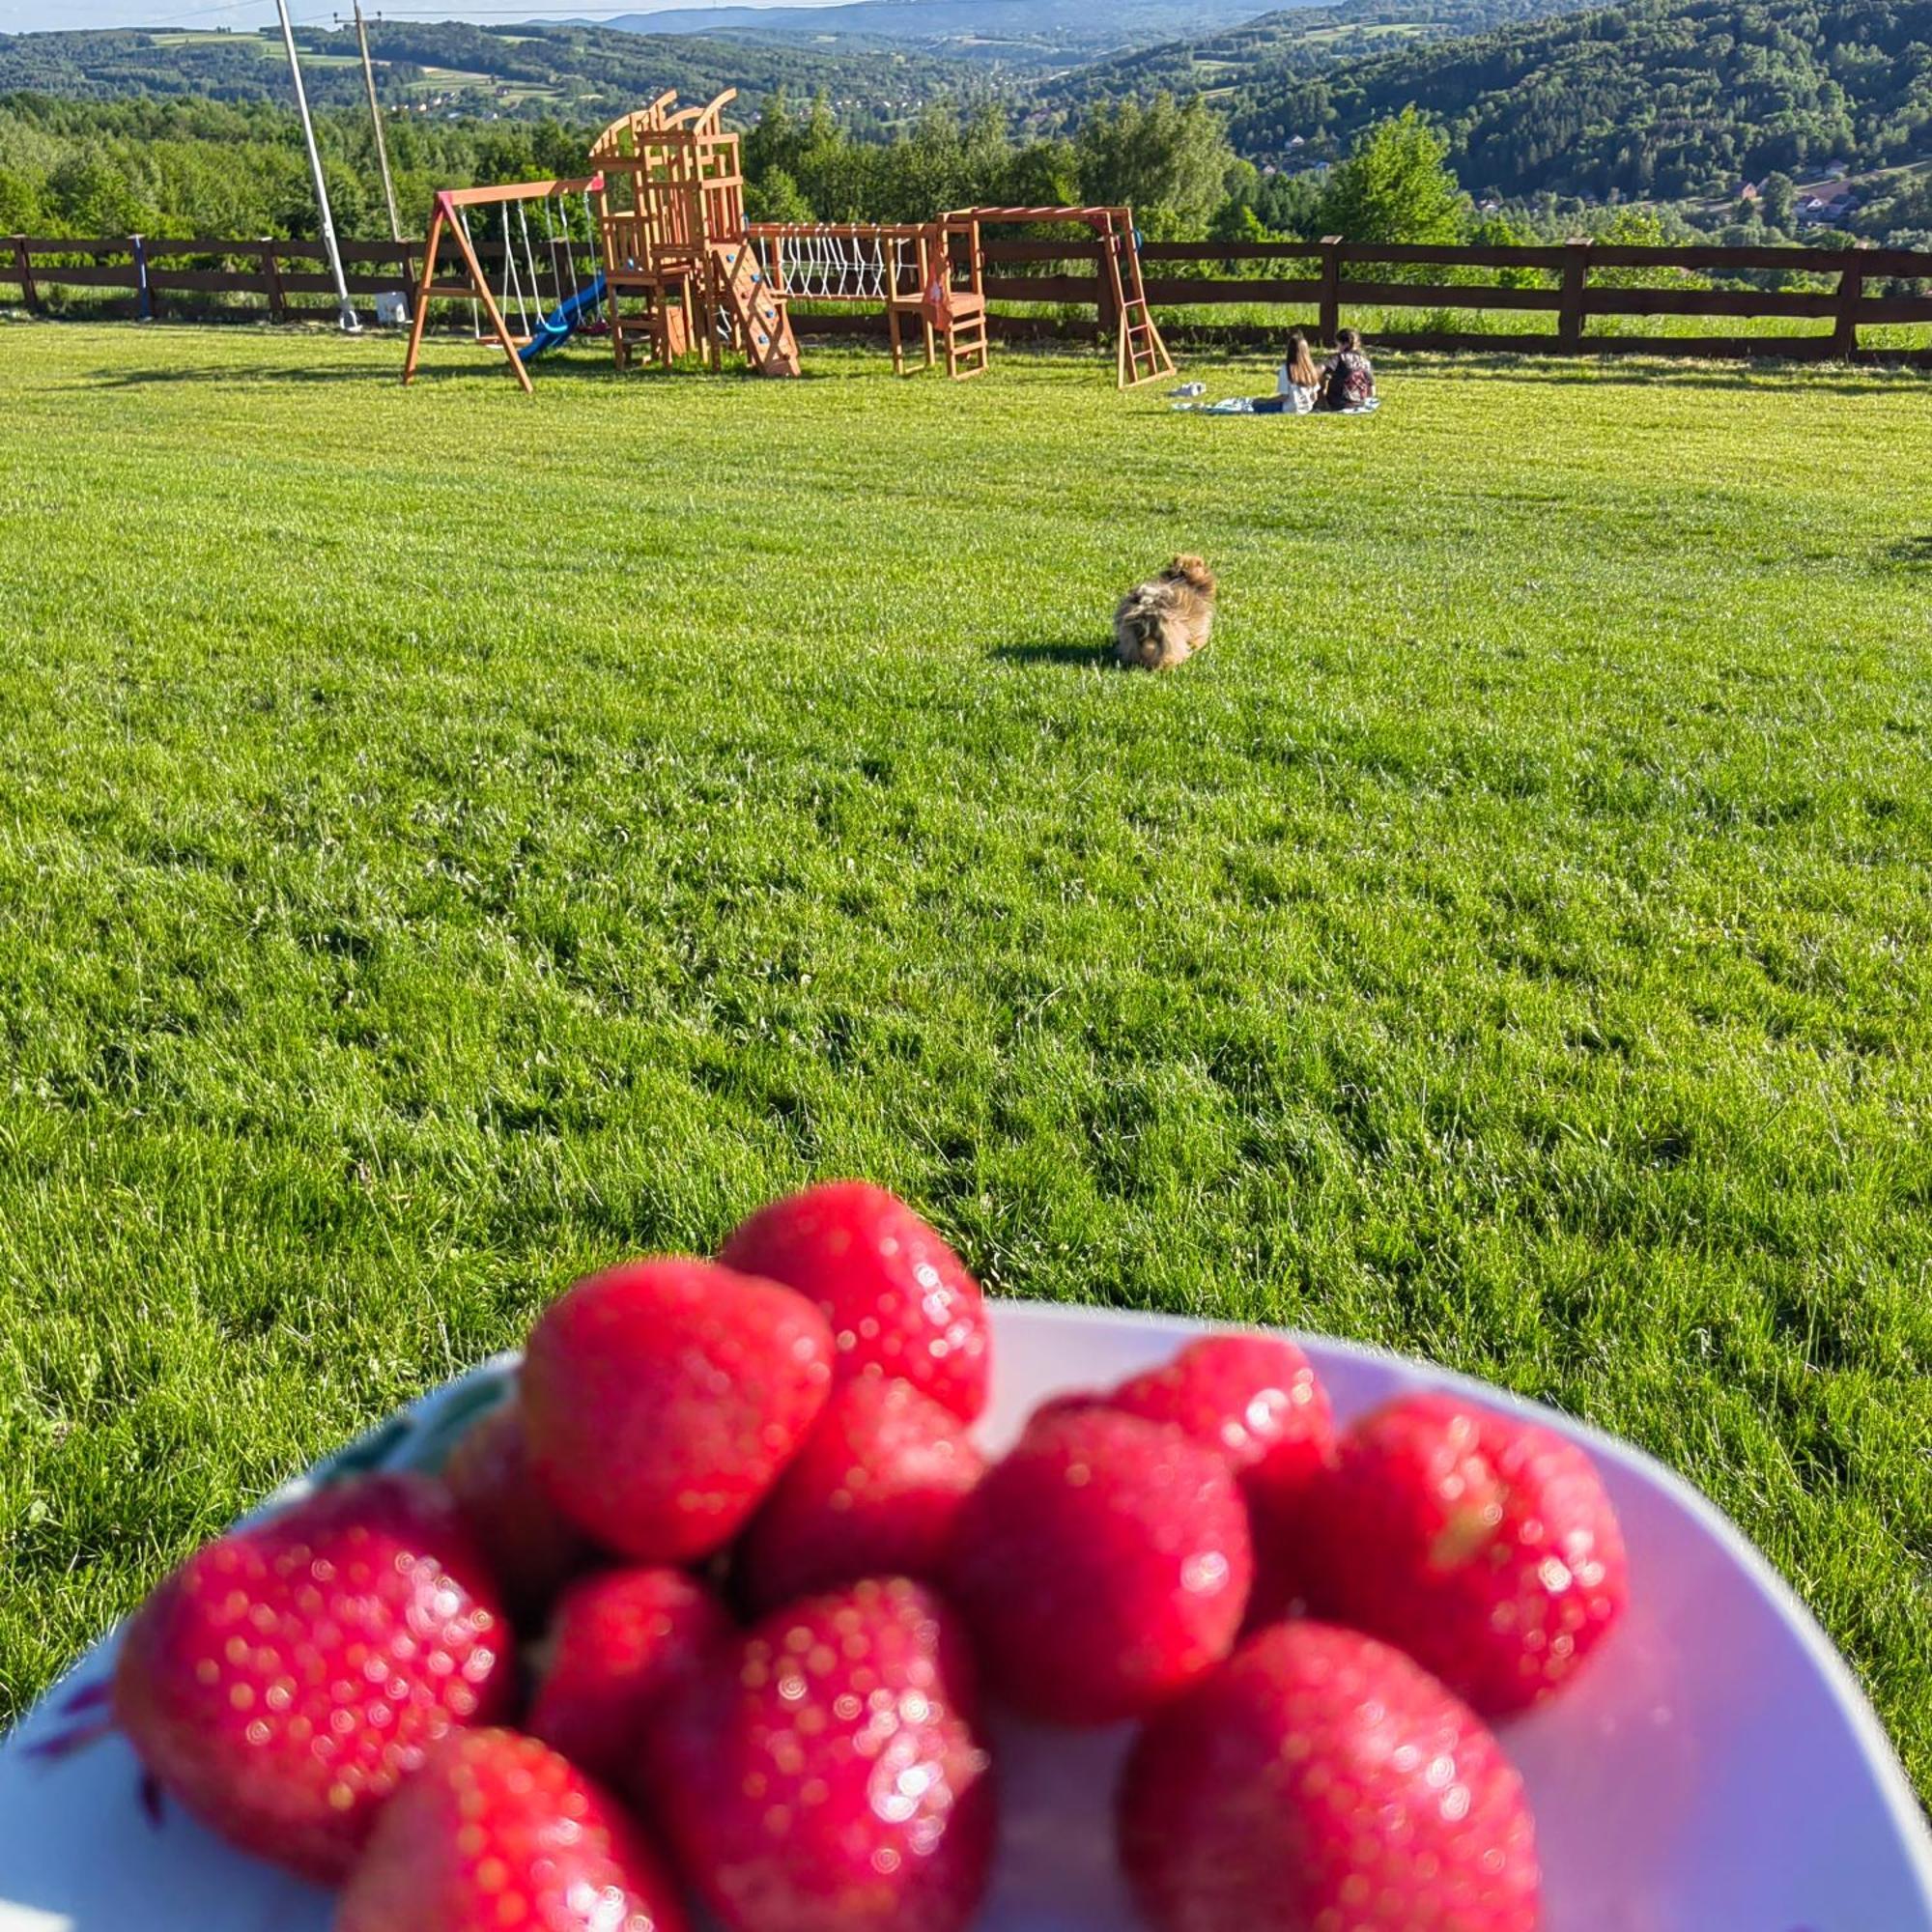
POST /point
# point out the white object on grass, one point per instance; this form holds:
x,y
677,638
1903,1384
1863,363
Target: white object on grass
x,y
1714,1769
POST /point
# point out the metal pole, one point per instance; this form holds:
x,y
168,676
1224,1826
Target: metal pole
x,y
376,122
345,310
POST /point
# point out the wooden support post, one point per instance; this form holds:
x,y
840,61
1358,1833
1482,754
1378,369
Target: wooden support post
x,y
1328,319
1574,301
421,316
23,265
1845,330
272,279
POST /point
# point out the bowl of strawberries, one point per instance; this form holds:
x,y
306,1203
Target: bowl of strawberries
x,y
805,1590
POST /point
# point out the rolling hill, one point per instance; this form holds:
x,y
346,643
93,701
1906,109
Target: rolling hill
x,y
1029,33
1240,64
448,67
1663,98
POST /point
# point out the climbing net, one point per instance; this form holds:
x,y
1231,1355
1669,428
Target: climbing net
x,y
828,262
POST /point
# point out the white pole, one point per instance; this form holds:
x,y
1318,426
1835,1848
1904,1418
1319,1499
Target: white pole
x,y
344,309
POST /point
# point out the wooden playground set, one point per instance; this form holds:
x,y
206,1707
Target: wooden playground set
x,y
654,249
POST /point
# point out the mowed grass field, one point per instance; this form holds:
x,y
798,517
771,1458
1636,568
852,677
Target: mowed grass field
x,y
450,841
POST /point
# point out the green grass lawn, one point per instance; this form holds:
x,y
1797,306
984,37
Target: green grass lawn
x,y
448,841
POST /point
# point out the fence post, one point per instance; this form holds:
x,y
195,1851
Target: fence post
x,y
144,295
271,276
23,263
1845,332
1330,319
1576,287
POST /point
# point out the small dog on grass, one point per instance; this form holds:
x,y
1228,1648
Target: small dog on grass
x,y
1165,621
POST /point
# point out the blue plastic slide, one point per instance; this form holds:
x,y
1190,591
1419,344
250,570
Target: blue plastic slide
x,y
562,320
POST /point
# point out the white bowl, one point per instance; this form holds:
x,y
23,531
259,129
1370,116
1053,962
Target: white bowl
x,y
1716,1770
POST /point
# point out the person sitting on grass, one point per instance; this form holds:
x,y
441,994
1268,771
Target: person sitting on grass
x,y
1299,381
1347,382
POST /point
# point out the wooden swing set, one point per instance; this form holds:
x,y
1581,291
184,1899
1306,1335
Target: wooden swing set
x,y
680,269
449,220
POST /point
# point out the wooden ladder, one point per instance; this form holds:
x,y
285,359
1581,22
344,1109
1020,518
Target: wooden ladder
x,y
1141,355
967,348
763,322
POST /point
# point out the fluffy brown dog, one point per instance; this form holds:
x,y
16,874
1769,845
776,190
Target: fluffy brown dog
x,y
1163,622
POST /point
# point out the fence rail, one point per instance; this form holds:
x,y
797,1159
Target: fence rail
x,y
1316,285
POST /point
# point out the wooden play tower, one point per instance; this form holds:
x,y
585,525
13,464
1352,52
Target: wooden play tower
x,y
679,269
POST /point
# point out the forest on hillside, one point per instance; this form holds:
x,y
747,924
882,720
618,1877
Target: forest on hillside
x,y
1675,103
452,66
1663,98
1240,64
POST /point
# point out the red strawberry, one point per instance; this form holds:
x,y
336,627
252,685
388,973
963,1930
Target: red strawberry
x,y
1256,1399
530,1544
497,1832
900,1301
288,1676
663,1398
823,1776
1480,1543
1320,1780
874,1493
618,1643
1104,1563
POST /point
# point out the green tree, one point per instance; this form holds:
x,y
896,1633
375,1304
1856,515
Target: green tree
x,y
774,196
1777,193
19,202
1169,163
1396,186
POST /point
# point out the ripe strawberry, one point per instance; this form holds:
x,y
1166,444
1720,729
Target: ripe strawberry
x,y
1320,1780
1482,1544
874,1493
288,1676
900,1301
496,1831
823,1776
1256,1400
663,1398
531,1546
618,1643
1104,1563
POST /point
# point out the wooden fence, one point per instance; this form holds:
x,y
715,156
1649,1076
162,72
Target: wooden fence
x,y
1059,289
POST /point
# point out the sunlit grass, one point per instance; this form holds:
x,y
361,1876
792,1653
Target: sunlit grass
x,y
451,839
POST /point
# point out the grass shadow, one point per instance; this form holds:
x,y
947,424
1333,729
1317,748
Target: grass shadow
x,y
1911,553
1065,652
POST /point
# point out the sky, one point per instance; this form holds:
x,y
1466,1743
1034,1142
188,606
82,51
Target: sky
x,y
32,16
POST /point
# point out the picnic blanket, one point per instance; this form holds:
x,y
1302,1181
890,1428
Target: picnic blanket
x,y
1245,406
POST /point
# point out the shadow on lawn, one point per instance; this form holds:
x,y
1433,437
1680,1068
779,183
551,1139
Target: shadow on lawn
x,y
1911,553
433,372
1768,373
1083,653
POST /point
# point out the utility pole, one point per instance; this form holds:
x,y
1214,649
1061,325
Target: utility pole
x,y
345,310
376,120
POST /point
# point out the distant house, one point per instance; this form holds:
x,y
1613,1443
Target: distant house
x,y
1827,205
1750,191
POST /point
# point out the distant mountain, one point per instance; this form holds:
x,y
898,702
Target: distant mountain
x,y
1237,66
1655,98
1029,33
448,67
